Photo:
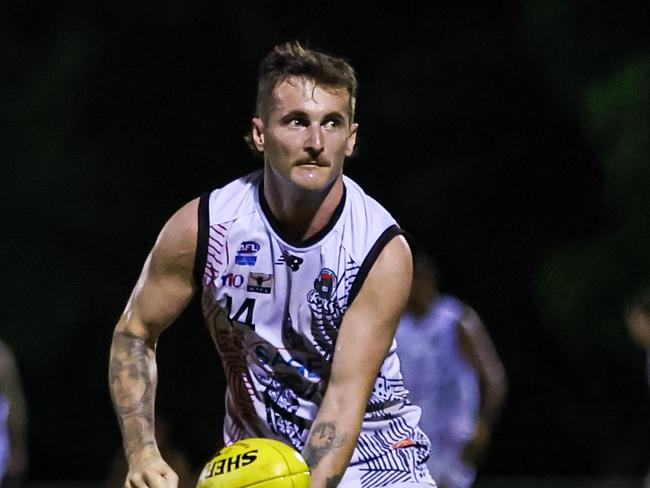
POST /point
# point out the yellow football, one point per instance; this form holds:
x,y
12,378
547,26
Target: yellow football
x,y
258,463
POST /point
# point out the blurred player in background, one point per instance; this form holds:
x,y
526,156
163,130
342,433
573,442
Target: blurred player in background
x,y
302,279
637,319
453,372
13,422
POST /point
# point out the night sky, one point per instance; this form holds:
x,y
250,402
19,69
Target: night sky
x,y
510,141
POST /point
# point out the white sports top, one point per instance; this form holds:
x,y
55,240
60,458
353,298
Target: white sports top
x,y
449,391
274,309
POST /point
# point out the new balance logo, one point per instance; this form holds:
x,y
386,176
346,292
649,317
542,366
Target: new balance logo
x,y
293,262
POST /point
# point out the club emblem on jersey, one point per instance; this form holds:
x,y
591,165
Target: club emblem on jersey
x,y
325,283
247,253
293,262
326,312
259,283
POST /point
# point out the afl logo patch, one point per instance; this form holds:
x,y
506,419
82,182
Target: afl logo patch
x,y
247,253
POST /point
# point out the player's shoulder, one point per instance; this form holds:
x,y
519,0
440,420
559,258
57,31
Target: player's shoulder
x,y
367,226
177,239
184,222
361,199
394,262
398,249
445,300
469,318
6,357
234,199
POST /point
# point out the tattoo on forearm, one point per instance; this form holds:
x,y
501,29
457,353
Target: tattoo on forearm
x,y
322,440
132,375
334,481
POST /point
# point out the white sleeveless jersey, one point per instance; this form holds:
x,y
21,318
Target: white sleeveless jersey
x,y
449,391
274,308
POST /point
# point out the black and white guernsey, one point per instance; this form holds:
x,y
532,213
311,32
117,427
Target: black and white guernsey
x,y
274,308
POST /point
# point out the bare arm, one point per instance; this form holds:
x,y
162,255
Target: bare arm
x,y
479,349
11,388
164,289
366,334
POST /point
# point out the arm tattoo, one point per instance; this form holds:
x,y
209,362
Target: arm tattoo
x,y
132,376
322,441
334,481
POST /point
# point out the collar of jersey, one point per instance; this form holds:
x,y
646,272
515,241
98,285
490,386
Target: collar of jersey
x,y
275,224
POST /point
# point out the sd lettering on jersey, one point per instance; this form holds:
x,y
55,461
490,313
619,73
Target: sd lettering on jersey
x,y
307,368
226,465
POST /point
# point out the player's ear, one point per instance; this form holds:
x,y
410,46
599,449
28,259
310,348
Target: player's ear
x,y
257,133
352,139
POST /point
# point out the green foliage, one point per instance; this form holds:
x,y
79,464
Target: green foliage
x,y
615,112
581,286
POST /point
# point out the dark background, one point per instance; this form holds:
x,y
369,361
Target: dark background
x,y
512,141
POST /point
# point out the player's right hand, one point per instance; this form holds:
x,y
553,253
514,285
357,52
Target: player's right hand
x,y
149,470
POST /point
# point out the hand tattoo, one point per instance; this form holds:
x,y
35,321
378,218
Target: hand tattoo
x,y
334,481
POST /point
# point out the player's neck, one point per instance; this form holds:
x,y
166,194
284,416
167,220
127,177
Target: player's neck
x,y
302,214
422,307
